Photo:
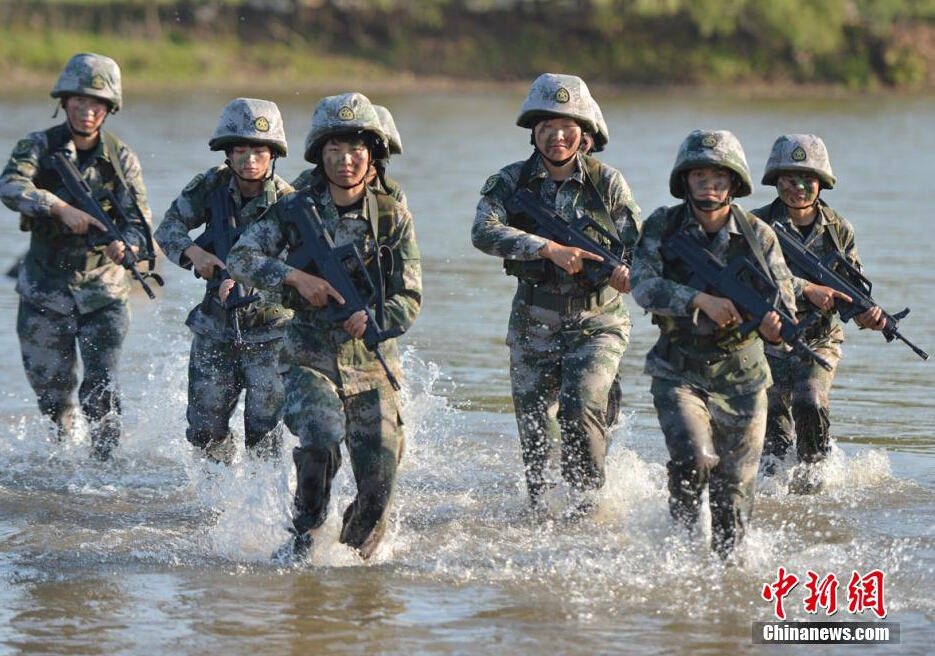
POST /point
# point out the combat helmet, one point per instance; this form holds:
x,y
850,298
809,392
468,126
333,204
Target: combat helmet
x,y
602,134
711,148
88,74
389,128
554,94
799,152
348,113
250,120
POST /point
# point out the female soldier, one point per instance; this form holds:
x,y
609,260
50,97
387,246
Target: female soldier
x,y
232,350
708,380
567,335
74,296
799,168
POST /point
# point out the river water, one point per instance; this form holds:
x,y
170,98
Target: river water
x,y
155,552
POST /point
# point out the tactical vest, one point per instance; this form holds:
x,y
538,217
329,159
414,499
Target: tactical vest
x,y
49,241
253,315
681,330
381,209
542,271
46,177
774,212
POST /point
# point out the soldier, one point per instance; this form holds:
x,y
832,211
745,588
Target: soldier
x,y
250,132
566,336
708,381
378,174
336,390
72,293
799,168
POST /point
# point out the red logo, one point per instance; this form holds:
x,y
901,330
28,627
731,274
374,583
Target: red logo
x,y
863,593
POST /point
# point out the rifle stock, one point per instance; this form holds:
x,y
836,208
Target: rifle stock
x,y
836,272
90,202
318,255
709,272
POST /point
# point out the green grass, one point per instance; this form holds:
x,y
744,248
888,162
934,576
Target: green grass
x,y
176,59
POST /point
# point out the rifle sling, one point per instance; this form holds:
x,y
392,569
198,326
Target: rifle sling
x,y
373,213
755,247
591,186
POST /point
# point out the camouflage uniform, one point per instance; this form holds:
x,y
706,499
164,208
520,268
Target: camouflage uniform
x,y
708,384
335,388
566,339
218,368
71,293
799,396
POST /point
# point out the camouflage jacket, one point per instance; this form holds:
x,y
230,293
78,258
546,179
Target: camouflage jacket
x,y
830,231
310,340
260,321
60,272
312,177
492,234
656,290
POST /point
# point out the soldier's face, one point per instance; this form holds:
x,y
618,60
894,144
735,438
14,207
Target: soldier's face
x,y
710,183
347,162
558,138
85,114
798,190
250,162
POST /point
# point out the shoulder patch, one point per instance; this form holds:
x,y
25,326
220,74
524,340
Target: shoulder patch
x,y
194,184
490,184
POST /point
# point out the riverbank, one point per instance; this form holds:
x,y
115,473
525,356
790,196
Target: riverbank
x,y
306,46
151,69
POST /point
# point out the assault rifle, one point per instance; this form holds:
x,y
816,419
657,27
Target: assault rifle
x,y
551,225
219,237
91,202
836,272
318,255
711,273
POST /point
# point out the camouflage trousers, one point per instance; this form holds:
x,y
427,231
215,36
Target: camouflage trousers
x,y
799,405
218,371
562,369
714,442
50,344
369,424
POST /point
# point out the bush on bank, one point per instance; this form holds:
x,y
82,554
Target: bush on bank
x,y
857,44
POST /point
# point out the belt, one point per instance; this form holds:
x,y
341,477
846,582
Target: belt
x,y
566,303
707,367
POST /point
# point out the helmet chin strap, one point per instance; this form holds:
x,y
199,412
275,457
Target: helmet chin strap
x,y
363,179
709,205
269,173
807,206
343,186
81,133
704,205
557,163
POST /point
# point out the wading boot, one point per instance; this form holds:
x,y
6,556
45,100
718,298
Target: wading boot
x,y
105,434
296,548
65,421
220,451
